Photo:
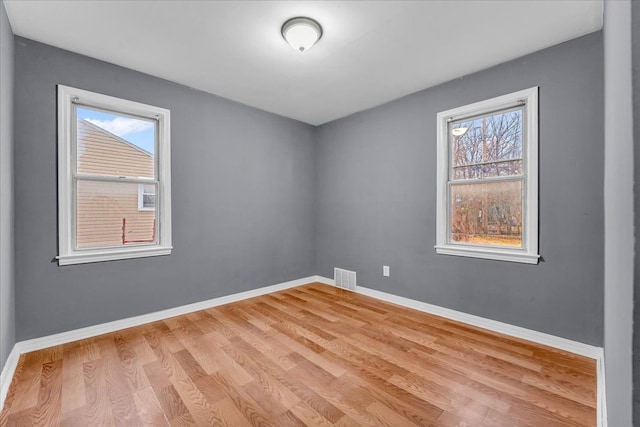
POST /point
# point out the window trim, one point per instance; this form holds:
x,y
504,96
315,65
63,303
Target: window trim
x,y
529,252
67,254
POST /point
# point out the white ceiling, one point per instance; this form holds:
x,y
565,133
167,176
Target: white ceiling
x,y
371,51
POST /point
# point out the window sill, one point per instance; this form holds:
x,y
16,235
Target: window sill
x,y
487,253
112,255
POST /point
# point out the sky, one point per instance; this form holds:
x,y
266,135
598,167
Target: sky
x,y
136,131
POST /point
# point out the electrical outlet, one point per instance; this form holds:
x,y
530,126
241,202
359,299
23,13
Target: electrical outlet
x,y
385,271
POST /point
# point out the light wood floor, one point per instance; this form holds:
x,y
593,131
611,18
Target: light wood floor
x,y
312,355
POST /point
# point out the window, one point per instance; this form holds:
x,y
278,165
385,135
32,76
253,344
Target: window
x,y
487,191
146,197
114,178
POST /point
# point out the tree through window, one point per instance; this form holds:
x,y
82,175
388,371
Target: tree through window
x,y
487,150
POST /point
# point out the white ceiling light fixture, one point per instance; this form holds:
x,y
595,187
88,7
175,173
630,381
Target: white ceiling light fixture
x,y
301,33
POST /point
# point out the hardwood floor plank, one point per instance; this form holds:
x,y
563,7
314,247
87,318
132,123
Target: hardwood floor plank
x,y
245,404
98,408
172,404
270,348
201,379
149,409
310,355
73,381
296,385
386,416
125,411
26,393
47,409
308,416
116,379
277,391
576,392
131,364
74,418
553,403
200,409
158,379
203,349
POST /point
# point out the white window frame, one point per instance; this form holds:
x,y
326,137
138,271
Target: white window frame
x,y
67,253
529,251
141,194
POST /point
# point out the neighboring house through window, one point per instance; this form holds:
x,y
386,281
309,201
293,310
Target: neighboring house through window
x,y
488,179
114,185
146,197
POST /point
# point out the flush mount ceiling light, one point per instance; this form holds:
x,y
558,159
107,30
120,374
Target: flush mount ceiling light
x,y
301,33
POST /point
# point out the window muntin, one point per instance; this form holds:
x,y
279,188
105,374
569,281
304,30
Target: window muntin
x,y
114,178
487,179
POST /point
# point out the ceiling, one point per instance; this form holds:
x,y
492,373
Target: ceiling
x,y
371,51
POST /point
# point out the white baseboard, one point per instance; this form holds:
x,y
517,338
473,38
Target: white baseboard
x,y
8,370
602,393
575,347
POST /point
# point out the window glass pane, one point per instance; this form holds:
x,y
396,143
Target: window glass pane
x,y
149,196
114,145
488,213
149,201
487,146
107,214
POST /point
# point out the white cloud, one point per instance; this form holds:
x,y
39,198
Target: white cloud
x,y
122,126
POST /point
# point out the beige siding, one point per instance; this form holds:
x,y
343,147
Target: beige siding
x,y
101,153
101,206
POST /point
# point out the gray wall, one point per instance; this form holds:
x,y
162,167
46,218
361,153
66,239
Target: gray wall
x,y
7,299
635,54
242,198
376,198
618,211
